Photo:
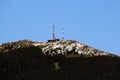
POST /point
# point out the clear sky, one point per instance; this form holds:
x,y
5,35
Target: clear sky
x,y
92,22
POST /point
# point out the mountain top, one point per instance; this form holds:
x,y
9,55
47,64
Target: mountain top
x,y
60,60
62,47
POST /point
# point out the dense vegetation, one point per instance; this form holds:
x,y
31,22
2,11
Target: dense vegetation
x,y
29,63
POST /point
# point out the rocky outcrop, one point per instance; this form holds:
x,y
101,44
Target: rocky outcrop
x,y
68,47
61,47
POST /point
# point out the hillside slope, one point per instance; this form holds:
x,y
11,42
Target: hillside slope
x,y
41,61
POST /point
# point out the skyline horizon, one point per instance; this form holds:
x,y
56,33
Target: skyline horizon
x,y
95,23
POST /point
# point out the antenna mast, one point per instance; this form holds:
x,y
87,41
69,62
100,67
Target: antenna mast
x,y
63,34
53,34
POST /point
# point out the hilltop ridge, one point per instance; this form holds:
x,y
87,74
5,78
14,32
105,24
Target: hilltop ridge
x,y
56,48
60,60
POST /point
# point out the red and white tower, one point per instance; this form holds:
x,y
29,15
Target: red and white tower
x,y
53,36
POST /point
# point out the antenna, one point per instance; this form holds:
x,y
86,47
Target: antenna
x,y
62,33
53,34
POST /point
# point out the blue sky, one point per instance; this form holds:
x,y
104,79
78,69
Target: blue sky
x,y
92,22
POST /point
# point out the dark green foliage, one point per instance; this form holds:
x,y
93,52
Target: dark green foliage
x,y
30,64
